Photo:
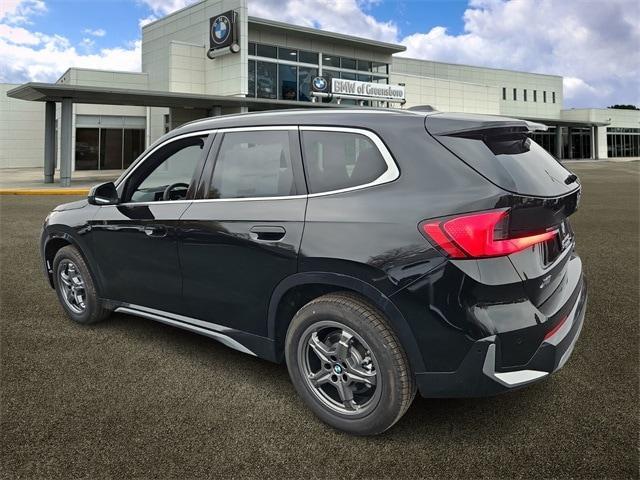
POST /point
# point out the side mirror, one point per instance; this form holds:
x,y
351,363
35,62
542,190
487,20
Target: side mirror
x,y
103,194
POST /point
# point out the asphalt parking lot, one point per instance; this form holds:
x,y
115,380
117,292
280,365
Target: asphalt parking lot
x,y
130,397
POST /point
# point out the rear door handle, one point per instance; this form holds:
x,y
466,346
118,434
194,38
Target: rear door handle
x,y
267,233
155,231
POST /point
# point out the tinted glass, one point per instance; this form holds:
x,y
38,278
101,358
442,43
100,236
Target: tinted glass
x,y
87,148
253,164
133,145
513,162
378,67
331,61
287,79
336,160
364,65
266,86
251,87
288,54
266,51
307,57
349,63
252,48
176,166
111,149
305,76
348,76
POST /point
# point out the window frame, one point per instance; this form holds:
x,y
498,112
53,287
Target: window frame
x,y
151,159
206,178
389,175
204,171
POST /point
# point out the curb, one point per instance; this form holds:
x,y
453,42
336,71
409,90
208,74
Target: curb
x,y
44,191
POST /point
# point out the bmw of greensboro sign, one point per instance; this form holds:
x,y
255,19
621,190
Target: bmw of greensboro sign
x,y
366,89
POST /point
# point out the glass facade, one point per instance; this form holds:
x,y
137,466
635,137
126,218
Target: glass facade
x,y
575,142
579,143
546,139
286,73
623,142
108,142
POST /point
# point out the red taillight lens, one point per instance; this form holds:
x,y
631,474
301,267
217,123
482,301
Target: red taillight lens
x,y
480,235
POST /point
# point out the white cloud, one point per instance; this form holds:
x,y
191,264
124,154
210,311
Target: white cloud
x,y
18,11
98,32
164,7
146,20
342,16
594,45
19,35
54,55
27,55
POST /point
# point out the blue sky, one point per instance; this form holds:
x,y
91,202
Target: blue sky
x,y
594,45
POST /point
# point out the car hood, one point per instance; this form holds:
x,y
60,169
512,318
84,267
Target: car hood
x,y
71,205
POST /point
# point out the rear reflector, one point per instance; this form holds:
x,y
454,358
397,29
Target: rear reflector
x,y
553,331
480,235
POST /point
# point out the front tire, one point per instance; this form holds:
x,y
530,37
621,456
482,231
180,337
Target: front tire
x,y
75,287
347,364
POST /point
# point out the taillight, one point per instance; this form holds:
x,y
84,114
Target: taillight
x,y
480,235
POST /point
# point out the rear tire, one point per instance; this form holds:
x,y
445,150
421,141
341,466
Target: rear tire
x,y
75,287
347,364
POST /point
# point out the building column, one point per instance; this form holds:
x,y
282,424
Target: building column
x,y
49,141
65,142
594,142
244,109
558,142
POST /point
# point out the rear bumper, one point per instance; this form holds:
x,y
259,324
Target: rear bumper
x,y
479,375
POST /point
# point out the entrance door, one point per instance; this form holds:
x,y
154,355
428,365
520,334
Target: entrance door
x,y
135,242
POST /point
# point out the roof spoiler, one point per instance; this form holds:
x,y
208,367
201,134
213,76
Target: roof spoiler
x,y
470,124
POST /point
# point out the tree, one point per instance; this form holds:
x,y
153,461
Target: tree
x,y
624,107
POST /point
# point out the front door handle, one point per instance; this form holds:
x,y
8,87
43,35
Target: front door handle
x,y
155,231
267,233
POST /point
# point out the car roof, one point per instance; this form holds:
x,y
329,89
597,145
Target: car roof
x,y
306,116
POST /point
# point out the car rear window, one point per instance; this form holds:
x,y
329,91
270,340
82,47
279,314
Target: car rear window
x,y
338,160
512,161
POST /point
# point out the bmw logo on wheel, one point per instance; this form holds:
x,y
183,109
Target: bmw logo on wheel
x,y
320,84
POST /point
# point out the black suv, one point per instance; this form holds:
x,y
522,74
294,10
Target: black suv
x,y
377,252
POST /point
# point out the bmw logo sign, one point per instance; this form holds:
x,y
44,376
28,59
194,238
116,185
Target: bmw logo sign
x,y
220,30
320,84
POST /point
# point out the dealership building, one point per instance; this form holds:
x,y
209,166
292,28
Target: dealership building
x,y
212,58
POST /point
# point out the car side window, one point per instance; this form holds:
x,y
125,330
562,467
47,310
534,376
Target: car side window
x,y
169,172
253,164
337,160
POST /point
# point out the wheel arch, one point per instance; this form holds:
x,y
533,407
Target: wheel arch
x,y
52,243
298,289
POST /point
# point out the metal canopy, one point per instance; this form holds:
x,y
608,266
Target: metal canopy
x,y
55,92
333,37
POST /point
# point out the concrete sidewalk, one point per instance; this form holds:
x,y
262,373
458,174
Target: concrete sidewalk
x,y
30,181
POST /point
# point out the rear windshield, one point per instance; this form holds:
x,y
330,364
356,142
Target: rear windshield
x,y
512,161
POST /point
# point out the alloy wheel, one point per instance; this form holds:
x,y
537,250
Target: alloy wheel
x,y
339,368
72,286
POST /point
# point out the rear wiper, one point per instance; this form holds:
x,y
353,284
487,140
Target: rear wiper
x,y
570,179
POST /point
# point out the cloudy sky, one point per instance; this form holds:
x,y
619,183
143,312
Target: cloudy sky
x,y
595,45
